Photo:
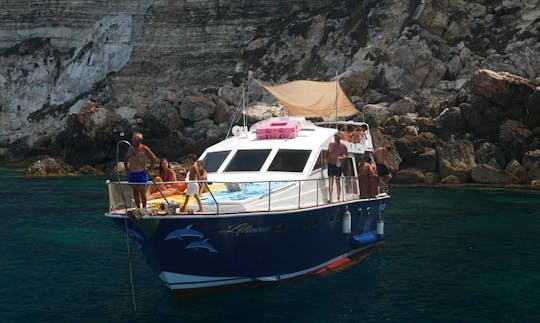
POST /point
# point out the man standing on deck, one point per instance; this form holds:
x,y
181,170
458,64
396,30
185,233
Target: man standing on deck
x,y
135,162
336,152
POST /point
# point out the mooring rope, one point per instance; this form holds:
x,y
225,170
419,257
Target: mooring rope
x,y
130,267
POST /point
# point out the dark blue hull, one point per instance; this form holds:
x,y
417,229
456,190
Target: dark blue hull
x,y
199,252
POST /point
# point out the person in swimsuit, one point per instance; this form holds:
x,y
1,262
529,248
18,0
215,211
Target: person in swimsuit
x,y
203,176
382,162
367,175
336,152
166,174
192,187
135,162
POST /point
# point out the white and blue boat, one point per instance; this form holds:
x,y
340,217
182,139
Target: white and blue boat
x,y
267,217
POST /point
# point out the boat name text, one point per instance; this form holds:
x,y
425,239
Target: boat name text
x,y
244,228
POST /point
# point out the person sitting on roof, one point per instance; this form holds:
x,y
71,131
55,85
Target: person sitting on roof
x,y
354,137
359,135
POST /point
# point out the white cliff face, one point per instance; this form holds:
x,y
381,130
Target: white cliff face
x,y
134,48
131,54
105,49
36,75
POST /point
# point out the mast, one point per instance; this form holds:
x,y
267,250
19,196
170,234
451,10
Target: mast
x,y
244,87
337,80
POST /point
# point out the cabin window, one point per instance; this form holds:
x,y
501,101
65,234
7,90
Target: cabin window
x,y
213,160
248,160
321,160
288,160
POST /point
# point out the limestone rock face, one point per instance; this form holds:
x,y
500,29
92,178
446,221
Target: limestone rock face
x,y
514,137
489,175
456,159
449,123
376,114
174,69
427,161
517,170
489,153
414,151
197,108
409,176
88,170
40,81
451,179
510,91
531,161
403,106
48,166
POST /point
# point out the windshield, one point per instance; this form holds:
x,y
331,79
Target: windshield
x,y
213,160
288,160
248,160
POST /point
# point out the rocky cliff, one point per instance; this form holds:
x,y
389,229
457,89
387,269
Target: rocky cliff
x,y
418,69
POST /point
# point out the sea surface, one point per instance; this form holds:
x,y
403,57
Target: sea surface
x,y
455,254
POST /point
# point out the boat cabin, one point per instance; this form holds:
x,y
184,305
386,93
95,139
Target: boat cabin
x,y
289,148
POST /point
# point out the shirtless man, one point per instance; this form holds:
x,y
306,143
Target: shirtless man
x,y
192,187
382,163
135,163
336,152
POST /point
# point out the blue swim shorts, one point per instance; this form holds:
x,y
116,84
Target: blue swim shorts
x,y
138,177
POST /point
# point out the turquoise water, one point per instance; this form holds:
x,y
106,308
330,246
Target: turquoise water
x,y
451,255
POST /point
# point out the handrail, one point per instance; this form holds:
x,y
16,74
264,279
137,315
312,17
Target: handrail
x,y
293,194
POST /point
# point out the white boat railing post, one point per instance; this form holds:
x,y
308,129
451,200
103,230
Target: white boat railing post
x,y
269,193
342,189
317,192
299,192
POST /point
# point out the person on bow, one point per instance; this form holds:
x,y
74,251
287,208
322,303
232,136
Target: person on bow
x,y
137,158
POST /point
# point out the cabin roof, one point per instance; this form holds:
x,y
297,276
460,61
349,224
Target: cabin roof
x,y
307,139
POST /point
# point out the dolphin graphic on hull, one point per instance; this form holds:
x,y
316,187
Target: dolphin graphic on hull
x,y
134,235
201,244
186,232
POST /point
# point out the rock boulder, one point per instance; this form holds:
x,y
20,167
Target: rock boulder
x,y
456,158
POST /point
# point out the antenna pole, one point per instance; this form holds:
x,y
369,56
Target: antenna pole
x,y
244,101
337,80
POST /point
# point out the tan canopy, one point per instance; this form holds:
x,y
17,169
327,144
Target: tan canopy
x,y
313,99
